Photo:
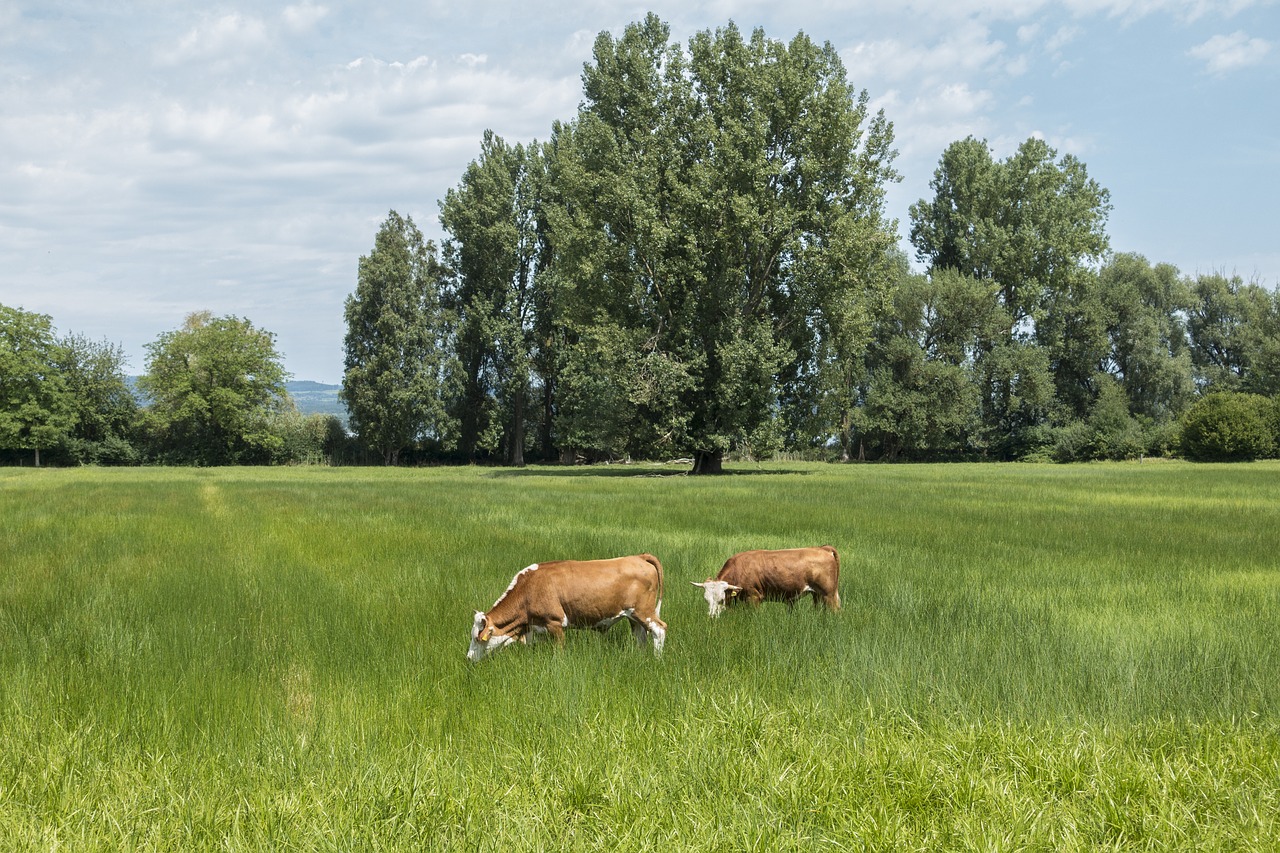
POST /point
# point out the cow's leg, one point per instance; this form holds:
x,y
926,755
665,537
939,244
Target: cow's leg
x,y
658,631
649,627
555,628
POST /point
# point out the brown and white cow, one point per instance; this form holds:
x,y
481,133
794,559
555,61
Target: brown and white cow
x,y
546,598
756,576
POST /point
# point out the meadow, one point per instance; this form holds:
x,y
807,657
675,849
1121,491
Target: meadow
x,y
1029,657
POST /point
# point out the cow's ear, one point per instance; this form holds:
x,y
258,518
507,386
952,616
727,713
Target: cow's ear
x,y
732,588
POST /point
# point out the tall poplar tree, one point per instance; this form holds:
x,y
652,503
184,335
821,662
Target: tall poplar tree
x,y
395,357
1034,226
724,214
492,255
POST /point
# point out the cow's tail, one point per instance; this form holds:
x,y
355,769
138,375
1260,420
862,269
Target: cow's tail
x,y
835,555
834,602
657,567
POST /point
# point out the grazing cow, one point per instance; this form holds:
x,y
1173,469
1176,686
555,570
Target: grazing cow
x,y
756,576
546,598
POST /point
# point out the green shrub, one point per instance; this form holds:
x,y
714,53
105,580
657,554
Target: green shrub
x,y
1227,426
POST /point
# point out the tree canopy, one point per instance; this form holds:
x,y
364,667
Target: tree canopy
x,y
37,409
718,215
394,358
213,385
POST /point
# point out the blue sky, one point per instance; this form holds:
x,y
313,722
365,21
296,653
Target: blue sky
x,y
162,157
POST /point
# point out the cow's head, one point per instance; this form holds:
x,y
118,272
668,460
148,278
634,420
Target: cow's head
x,y
485,638
717,594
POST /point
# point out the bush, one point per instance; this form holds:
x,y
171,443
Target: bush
x,y
1228,426
1110,431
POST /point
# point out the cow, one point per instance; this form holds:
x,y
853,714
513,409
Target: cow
x,y
756,576
546,598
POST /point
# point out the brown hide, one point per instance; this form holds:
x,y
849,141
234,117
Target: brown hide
x,y
585,592
783,575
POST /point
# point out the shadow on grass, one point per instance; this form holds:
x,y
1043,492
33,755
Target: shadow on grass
x,y
632,470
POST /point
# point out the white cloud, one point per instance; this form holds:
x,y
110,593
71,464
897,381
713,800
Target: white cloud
x,y
1018,66
963,50
1222,54
1061,38
217,39
1184,10
303,16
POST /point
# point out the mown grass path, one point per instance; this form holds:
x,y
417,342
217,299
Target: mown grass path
x,y
1029,657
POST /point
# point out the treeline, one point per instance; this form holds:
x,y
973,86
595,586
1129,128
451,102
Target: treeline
x,y
699,264
213,394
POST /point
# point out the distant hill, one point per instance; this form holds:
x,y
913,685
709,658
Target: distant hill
x,y
311,398
316,398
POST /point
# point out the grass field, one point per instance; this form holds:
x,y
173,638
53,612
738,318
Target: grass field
x,y
1029,657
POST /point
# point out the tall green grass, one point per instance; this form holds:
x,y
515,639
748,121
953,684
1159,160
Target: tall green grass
x,y
1028,657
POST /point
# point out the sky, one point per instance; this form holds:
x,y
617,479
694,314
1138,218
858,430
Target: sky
x,y
160,157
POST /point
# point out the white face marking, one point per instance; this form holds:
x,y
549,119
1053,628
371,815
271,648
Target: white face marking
x,y
477,650
714,592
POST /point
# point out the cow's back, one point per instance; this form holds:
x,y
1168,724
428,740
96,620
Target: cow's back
x,y
785,571
589,591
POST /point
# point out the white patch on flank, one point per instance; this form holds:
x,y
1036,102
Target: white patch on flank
x,y
609,621
532,567
536,633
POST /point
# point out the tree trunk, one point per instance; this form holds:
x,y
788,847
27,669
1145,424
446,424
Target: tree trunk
x,y
515,449
708,462
37,457
548,408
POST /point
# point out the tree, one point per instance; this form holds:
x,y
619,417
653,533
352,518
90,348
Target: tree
x,y
36,407
1148,351
1235,335
922,396
724,211
106,409
212,385
1033,226
395,356
493,255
